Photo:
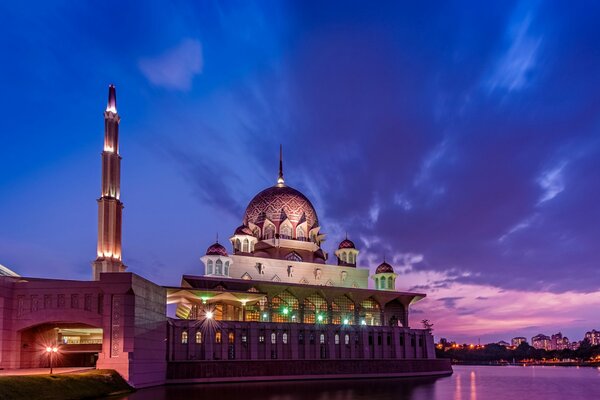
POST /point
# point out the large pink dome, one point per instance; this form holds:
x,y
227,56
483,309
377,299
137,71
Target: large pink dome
x,y
278,202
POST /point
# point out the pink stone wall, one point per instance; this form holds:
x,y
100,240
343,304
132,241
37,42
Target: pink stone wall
x,y
130,310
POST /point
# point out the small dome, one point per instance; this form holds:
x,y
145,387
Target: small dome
x,y
384,268
216,249
243,230
347,244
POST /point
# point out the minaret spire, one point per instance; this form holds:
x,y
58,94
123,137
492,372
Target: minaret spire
x,y
109,204
280,180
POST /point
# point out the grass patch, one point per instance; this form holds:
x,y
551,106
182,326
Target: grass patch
x,y
79,385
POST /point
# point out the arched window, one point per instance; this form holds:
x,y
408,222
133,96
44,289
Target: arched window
x,y
198,337
300,233
269,232
184,337
231,337
273,338
219,267
390,283
209,267
376,283
322,338
226,272
351,258
285,230
293,256
382,283
337,339
238,244
246,246
343,256
346,339
218,337
285,338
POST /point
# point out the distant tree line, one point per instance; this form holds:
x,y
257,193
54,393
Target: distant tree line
x,y
496,353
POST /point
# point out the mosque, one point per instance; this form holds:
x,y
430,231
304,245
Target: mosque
x,y
270,304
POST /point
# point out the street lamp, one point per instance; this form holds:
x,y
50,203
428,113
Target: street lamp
x,y
51,351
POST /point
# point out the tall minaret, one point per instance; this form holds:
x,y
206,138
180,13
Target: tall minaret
x,y
110,207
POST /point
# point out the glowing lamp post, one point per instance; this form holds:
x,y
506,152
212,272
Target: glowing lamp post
x,y
209,315
51,351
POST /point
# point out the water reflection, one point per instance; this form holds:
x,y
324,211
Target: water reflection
x,y
467,383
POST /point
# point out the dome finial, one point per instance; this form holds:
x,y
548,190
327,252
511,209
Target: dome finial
x,y
217,241
280,180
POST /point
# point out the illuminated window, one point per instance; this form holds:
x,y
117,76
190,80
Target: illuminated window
x,y
337,339
300,233
285,307
184,337
209,267
346,339
218,337
269,232
371,310
285,338
285,231
198,337
219,267
342,310
246,246
231,337
314,305
322,338
273,338
261,338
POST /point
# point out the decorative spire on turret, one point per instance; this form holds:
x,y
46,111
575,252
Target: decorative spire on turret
x,y
109,204
280,180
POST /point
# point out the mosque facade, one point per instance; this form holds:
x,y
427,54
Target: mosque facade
x,y
270,303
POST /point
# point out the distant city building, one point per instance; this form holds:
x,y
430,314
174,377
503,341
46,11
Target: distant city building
x,y
516,341
503,343
541,342
559,342
593,337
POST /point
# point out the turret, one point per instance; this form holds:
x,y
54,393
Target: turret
x,y
347,253
216,261
385,277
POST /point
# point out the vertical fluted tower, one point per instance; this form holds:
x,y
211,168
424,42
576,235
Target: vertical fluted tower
x,y
110,207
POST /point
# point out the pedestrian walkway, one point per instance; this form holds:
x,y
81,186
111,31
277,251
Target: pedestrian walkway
x,y
41,371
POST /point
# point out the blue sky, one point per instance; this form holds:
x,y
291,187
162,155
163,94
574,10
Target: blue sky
x,y
462,139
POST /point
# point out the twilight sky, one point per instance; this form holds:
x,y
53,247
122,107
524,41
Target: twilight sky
x,y
461,139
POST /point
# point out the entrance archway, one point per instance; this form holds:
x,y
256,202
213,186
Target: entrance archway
x,y
78,345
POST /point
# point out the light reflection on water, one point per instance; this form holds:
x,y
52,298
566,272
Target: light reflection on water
x,y
467,383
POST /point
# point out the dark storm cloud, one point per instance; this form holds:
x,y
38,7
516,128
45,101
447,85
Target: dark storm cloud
x,y
476,148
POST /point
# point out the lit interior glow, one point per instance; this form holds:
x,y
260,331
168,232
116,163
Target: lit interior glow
x,y
209,314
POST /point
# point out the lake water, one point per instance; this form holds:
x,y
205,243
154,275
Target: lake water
x,y
467,383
